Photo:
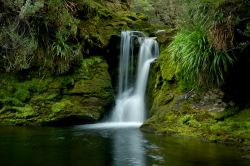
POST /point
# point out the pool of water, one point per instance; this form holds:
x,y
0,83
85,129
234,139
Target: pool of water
x,y
120,146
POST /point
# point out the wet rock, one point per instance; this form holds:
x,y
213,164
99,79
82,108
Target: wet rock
x,y
80,97
163,36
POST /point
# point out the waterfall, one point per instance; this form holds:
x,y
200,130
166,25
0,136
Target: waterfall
x,y
129,111
130,104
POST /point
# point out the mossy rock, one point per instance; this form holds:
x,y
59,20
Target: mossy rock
x,y
22,94
82,96
181,117
73,112
177,110
11,101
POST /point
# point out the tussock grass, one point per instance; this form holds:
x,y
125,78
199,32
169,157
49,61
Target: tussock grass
x,y
200,60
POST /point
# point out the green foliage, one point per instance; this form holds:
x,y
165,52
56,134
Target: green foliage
x,y
185,119
32,26
158,11
11,101
247,30
202,124
216,3
66,53
29,9
90,8
227,113
17,46
199,63
22,94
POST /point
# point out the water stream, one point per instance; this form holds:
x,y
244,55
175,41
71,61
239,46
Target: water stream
x,y
130,105
118,141
129,111
128,146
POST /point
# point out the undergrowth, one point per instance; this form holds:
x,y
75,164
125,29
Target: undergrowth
x,y
202,47
27,27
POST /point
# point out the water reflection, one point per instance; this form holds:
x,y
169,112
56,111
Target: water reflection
x,y
128,148
128,143
120,146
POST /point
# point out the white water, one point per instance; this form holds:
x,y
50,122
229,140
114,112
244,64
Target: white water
x,y
129,110
130,103
107,125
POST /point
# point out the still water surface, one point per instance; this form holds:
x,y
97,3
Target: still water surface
x,y
81,146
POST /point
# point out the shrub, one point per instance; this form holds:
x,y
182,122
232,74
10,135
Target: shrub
x,y
158,11
17,46
201,60
31,26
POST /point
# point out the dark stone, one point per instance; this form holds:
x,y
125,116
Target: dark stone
x,y
246,157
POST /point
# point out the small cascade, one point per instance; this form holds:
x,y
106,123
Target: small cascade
x,y
133,75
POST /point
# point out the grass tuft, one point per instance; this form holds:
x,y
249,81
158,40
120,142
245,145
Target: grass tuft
x,y
199,61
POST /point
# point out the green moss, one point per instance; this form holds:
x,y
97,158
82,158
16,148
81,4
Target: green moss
x,y
215,4
6,89
56,84
22,94
168,70
11,101
92,73
185,119
173,113
25,112
47,96
82,95
13,115
96,32
234,129
76,106
89,66
227,113
176,110
194,123
35,85
66,81
60,106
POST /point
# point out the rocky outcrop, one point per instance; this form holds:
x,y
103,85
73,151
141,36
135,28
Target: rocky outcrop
x,y
206,113
82,96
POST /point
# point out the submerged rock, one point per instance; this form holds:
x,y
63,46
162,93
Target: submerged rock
x,y
79,97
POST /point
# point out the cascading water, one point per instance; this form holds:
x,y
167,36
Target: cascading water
x,y
133,74
129,111
130,105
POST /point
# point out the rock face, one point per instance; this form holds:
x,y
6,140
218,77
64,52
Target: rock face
x,y
110,19
83,94
79,97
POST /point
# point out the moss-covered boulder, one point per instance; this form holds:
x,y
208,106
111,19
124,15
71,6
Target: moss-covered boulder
x,y
205,113
82,96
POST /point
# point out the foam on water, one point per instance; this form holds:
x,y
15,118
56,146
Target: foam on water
x,y
107,125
